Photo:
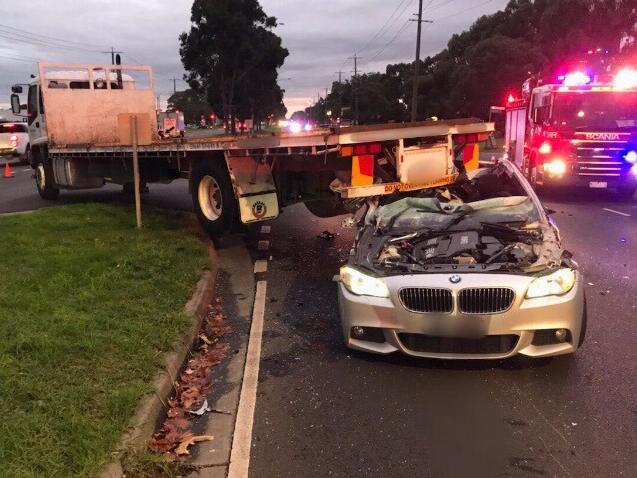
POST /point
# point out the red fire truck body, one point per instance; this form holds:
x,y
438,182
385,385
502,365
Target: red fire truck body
x,y
577,133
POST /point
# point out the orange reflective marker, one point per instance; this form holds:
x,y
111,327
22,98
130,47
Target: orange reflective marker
x,y
363,170
471,156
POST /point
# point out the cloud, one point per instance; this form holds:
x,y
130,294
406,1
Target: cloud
x,y
321,36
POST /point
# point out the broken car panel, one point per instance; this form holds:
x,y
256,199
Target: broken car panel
x,y
471,270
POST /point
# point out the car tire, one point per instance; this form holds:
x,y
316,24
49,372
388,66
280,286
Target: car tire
x,y
26,159
44,181
213,198
626,193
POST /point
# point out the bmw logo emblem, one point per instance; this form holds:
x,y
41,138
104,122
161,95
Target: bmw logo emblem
x,y
455,279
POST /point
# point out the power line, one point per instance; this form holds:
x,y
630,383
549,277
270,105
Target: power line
x,y
390,42
47,37
463,10
393,39
22,38
382,30
26,60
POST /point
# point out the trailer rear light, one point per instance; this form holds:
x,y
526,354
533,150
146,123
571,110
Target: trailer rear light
x,y
545,148
471,138
347,150
375,148
361,149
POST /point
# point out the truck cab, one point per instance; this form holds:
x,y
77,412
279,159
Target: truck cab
x,y
583,133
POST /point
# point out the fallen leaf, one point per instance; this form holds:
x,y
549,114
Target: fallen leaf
x,y
205,339
182,449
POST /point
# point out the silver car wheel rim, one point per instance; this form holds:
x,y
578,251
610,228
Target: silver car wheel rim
x,y
40,176
210,200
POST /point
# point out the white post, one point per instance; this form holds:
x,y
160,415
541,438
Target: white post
x,y
138,200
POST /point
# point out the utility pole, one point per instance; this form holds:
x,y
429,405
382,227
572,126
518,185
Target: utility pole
x,y
174,84
414,95
355,85
340,76
112,52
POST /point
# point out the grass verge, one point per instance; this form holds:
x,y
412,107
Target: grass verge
x,y
88,307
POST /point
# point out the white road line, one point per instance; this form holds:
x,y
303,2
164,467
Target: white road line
x,y
616,212
242,439
260,266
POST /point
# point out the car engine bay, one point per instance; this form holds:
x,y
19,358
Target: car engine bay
x,y
486,222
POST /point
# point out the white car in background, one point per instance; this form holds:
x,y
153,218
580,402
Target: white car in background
x,y
14,141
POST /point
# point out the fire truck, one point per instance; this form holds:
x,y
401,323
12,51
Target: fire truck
x,y
580,130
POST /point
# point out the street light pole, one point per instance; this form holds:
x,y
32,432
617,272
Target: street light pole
x,y
414,94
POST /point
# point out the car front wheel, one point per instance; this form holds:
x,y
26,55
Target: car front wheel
x,y
44,181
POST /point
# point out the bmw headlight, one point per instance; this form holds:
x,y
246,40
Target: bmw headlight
x,y
361,284
558,283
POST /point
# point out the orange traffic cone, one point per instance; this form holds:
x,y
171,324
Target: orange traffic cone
x,y
7,171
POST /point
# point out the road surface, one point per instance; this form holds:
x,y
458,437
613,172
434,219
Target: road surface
x,y
325,411
322,410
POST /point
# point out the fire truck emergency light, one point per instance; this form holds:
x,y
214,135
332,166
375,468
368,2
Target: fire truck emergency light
x,y
626,78
577,78
631,157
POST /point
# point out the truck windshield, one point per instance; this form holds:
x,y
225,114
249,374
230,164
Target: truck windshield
x,y
595,110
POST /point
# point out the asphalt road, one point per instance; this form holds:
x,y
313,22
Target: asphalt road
x,y
325,411
19,194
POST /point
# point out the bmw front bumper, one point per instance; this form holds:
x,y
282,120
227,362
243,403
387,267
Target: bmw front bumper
x,y
527,327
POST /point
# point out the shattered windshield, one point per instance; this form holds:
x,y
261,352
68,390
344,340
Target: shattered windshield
x,y
418,213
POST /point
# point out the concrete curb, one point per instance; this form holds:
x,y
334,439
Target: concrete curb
x,y
153,407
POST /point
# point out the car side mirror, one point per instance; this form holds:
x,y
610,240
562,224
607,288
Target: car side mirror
x,y
16,89
15,104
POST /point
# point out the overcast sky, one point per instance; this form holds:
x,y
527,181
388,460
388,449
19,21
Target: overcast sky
x,y
320,34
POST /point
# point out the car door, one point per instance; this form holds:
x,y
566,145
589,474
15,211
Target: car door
x,y
36,119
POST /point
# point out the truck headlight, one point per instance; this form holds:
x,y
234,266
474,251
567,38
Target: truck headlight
x,y
558,283
361,284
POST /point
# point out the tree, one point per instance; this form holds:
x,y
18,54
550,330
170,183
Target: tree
x,y
192,103
494,56
232,55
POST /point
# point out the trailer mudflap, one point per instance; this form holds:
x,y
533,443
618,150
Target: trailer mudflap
x,y
254,188
259,207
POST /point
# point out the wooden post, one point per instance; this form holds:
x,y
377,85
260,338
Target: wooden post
x,y
138,199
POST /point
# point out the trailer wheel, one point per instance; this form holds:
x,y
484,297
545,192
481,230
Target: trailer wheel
x,y
44,180
213,198
325,208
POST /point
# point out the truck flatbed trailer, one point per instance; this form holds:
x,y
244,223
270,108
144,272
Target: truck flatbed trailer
x,y
80,120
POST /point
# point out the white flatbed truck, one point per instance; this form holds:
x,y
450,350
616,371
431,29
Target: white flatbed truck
x,y
79,118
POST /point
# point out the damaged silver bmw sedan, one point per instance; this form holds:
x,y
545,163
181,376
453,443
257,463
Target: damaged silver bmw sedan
x,y
473,270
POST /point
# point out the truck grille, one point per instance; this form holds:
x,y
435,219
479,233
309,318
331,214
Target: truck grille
x,y
600,158
420,299
490,344
488,300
